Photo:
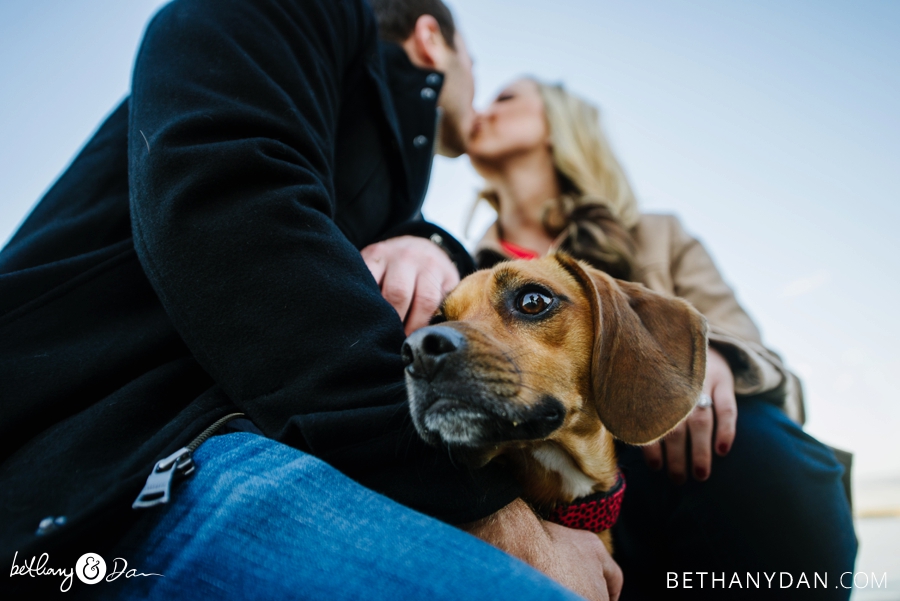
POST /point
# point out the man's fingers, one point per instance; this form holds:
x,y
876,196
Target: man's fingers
x,y
398,287
427,296
443,274
675,454
375,261
614,577
434,281
700,425
581,563
726,416
407,267
653,455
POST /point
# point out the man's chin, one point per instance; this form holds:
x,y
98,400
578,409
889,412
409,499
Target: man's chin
x,y
449,153
452,137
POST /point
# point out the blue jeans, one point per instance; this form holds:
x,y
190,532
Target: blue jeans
x,y
261,520
775,503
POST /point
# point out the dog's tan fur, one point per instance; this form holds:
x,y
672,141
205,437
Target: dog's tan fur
x,y
624,362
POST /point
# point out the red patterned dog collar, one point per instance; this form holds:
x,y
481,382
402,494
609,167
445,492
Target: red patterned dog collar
x,y
596,512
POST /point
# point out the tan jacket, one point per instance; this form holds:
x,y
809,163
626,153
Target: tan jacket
x,y
671,261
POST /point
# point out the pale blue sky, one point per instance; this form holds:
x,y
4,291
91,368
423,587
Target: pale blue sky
x,y
771,128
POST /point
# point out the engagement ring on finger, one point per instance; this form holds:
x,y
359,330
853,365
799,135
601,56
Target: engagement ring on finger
x,y
705,401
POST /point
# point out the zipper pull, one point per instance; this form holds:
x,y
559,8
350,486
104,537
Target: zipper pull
x,y
179,464
159,483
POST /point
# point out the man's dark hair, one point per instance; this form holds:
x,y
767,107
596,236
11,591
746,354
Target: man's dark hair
x,y
397,18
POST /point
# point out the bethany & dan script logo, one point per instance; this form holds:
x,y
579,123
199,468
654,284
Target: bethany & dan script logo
x,y
90,569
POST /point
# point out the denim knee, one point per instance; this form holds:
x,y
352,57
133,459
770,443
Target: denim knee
x,y
260,520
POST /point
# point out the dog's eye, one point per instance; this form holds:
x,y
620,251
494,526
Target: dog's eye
x,y
436,319
533,303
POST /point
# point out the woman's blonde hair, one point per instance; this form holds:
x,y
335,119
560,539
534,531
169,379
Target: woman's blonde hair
x,y
597,209
583,155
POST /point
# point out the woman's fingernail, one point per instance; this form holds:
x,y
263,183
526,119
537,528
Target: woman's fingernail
x,y
723,448
700,473
655,464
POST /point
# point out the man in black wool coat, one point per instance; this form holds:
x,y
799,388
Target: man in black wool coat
x,y
195,298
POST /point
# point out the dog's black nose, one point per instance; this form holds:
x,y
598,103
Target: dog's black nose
x,y
426,350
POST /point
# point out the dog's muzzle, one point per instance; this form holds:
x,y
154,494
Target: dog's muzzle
x,y
427,350
456,400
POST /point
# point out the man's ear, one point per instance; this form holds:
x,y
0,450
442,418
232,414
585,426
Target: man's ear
x,y
649,358
426,46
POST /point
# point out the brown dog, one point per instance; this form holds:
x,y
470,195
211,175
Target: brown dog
x,y
543,363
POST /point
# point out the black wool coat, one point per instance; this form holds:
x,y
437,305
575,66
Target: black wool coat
x,y
201,256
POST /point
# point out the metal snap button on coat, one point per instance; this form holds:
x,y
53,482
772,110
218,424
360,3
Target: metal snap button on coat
x,y
433,79
49,524
420,141
428,94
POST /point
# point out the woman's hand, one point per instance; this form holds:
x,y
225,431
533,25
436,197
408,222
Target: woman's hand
x,y
719,385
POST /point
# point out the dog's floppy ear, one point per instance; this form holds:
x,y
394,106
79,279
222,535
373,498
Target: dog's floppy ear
x,y
649,357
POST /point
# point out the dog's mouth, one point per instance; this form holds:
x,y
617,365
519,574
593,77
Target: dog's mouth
x,y
455,422
479,421
466,393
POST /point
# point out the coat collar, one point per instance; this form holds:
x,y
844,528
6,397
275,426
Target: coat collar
x,y
491,241
409,99
489,251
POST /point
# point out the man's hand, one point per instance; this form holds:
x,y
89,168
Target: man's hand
x,y
719,385
577,559
414,275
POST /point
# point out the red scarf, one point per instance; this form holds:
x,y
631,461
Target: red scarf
x,y
517,251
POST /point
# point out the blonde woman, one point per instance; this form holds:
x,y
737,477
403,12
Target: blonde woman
x,y
747,489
